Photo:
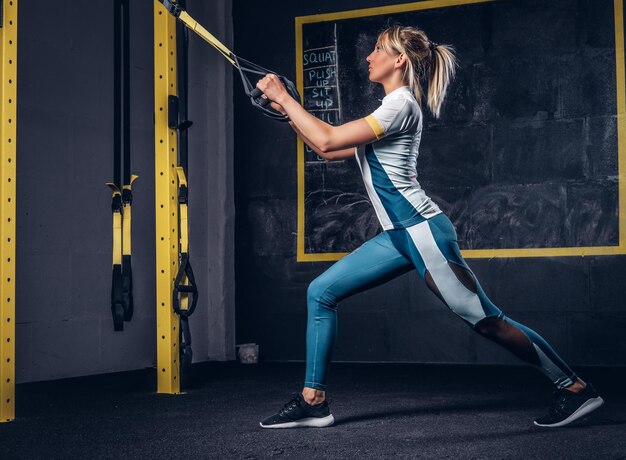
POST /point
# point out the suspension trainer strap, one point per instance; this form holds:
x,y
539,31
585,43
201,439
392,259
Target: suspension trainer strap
x,y
127,273
177,9
127,195
122,286
117,308
184,284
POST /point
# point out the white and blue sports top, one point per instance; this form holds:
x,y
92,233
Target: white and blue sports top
x,y
388,165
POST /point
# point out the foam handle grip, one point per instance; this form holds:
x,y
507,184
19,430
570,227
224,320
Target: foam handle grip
x,y
255,93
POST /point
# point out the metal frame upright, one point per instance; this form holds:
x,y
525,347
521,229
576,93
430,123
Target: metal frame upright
x,y
166,188
8,103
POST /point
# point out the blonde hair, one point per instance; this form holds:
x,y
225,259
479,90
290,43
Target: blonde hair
x,y
422,56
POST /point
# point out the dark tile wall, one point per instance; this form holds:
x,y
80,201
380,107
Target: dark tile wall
x,y
575,303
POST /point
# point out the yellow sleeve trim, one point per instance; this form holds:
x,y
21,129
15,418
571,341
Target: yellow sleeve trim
x,y
373,122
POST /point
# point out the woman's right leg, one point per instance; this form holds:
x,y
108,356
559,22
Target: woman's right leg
x,y
373,263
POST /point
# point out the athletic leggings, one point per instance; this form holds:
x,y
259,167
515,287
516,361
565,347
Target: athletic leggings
x,y
430,247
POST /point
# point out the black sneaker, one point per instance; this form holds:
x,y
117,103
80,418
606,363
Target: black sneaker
x,y
568,406
298,413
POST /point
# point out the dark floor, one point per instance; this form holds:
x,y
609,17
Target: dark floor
x,y
381,411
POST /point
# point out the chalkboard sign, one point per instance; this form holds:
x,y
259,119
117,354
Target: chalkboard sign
x,y
524,158
321,91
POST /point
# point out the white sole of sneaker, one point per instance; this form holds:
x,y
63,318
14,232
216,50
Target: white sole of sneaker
x,y
318,422
589,406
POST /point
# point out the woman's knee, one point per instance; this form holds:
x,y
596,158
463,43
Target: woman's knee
x,y
318,293
490,326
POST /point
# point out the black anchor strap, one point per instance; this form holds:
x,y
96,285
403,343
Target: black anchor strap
x,y
122,285
177,9
185,287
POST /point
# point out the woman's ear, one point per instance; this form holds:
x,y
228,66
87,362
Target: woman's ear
x,y
400,59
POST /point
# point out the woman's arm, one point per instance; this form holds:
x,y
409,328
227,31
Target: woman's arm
x,y
324,136
335,155
328,156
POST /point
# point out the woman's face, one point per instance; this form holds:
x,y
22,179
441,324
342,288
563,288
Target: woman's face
x,y
381,64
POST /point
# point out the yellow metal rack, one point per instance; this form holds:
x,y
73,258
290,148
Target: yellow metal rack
x,y
8,103
166,188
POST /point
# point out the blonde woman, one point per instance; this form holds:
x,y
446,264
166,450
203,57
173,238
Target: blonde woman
x,y
416,233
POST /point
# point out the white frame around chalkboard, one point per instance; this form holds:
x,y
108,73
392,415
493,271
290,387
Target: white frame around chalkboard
x,y
475,253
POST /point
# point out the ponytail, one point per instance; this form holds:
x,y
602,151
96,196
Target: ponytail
x,y
423,56
442,70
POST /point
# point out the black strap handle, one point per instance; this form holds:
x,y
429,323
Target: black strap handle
x,y
255,94
191,288
185,351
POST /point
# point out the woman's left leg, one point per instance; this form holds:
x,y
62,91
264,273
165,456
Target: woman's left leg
x,y
433,247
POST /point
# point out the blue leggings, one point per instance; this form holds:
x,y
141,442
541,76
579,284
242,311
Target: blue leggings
x,y
430,247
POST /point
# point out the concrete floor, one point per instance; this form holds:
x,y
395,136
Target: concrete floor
x,y
381,411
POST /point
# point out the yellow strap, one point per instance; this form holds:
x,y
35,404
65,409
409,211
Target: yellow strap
x,y
192,24
117,228
117,237
132,179
184,296
184,241
184,230
182,180
126,222
126,246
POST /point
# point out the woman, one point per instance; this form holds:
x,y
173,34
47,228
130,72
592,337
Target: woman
x,y
416,233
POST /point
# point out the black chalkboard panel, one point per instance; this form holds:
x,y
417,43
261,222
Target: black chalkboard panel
x,y
321,92
525,153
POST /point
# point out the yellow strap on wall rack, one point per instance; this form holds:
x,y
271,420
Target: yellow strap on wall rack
x,y
117,238
121,284
117,224
183,209
185,293
117,306
183,239
127,269
127,207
